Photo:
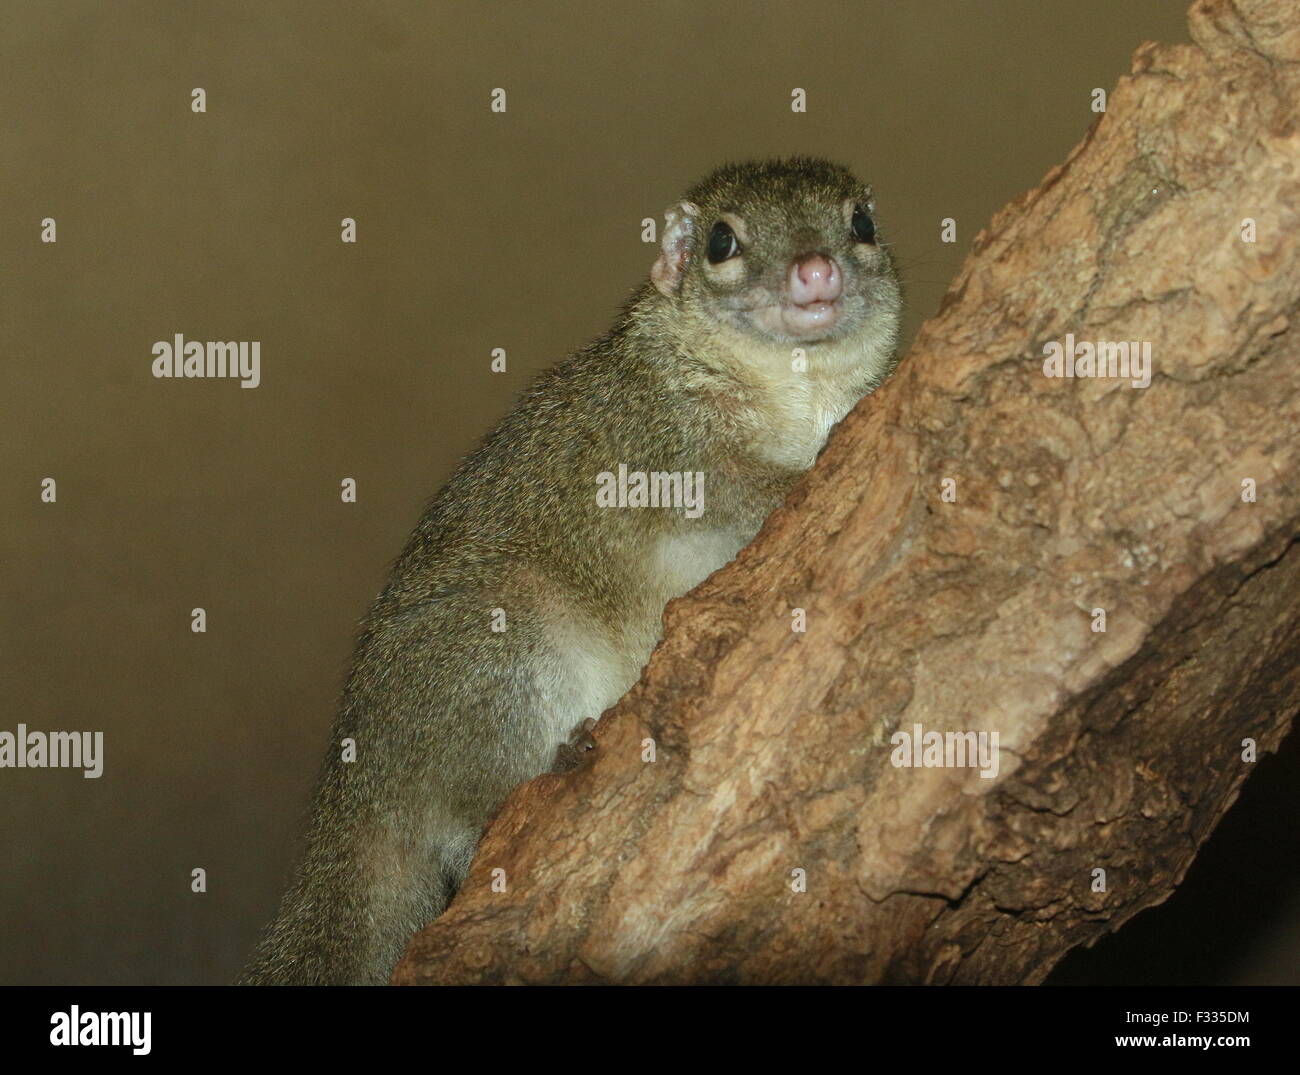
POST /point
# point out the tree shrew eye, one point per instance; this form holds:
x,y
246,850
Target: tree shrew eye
x,y
864,228
722,243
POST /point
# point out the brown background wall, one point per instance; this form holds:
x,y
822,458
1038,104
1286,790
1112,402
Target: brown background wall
x,y
476,231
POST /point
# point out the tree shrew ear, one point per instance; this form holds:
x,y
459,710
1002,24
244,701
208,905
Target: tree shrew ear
x,y
678,242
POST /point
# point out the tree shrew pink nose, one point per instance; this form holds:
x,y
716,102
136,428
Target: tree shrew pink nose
x,y
815,278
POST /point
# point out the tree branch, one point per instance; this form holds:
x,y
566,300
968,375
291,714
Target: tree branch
x,y
1120,750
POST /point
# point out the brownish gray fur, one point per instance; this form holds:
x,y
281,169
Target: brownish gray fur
x,y
448,715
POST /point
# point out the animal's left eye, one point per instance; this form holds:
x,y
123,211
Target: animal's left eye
x,y
864,228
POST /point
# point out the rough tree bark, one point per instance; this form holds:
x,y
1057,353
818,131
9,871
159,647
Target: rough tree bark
x,y
1119,750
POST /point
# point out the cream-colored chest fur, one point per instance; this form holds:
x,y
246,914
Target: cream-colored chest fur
x,y
792,397
793,414
797,417
680,562
586,668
